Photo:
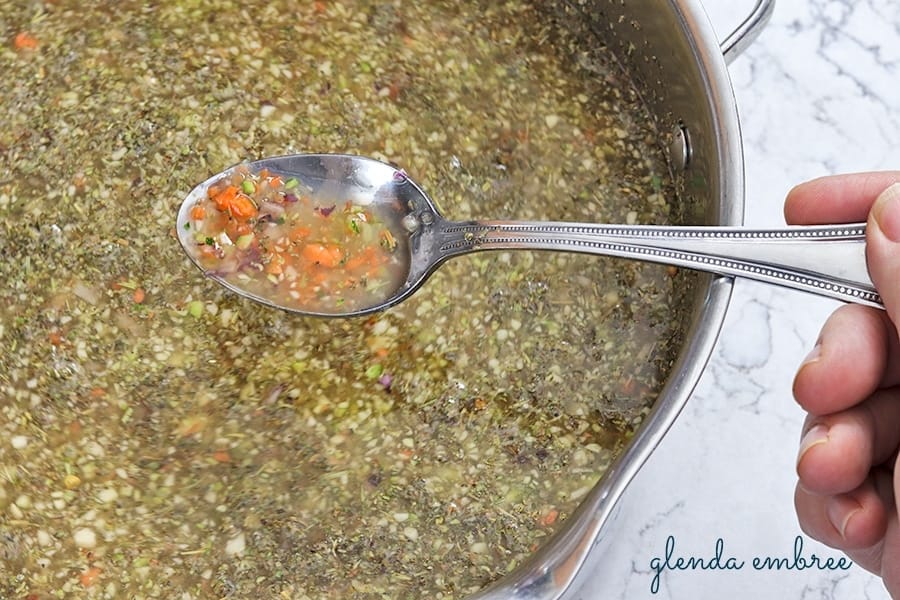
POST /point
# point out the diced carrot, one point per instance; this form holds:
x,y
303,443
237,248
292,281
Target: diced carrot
x,y
299,233
355,262
90,576
329,255
368,257
549,517
242,207
236,203
225,197
138,295
198,212
319,277
235,229
221,456
25,41
275,182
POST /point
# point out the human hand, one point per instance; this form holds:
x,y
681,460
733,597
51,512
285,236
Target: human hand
x,y
849,385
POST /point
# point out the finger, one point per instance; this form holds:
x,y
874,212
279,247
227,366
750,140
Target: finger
x,y
849,361
855,522
838,451
836,198
883,248
890,574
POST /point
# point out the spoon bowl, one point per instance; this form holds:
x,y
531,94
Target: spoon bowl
x,y
381,202
324,180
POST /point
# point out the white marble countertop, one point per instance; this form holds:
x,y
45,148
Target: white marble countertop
x,y
818,93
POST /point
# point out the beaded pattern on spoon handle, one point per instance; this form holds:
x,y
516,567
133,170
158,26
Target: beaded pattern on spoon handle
x,y
648,243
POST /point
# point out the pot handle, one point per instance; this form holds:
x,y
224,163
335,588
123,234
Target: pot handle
x,y
747,31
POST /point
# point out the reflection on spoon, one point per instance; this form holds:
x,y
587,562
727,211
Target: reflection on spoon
x,y
340,235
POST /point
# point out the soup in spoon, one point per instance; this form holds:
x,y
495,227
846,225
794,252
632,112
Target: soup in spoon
x,y
278,240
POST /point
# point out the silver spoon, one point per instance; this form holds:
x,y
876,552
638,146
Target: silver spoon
x,y
827,260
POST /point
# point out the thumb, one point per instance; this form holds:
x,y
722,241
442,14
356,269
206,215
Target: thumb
x,y
883,249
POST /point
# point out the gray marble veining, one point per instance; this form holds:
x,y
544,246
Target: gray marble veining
x,y
819,93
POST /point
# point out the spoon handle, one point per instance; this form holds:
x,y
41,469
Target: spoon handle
x,y
828,260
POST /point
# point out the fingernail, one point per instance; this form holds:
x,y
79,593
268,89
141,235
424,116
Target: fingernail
x,y
813,355
817,435
841,510
886,212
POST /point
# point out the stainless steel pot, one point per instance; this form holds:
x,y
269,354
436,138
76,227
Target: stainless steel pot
x,y
675,60
117,140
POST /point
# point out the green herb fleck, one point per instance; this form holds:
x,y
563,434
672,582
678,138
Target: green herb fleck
x,y
195,309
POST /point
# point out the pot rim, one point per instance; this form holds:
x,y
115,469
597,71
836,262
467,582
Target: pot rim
x,y
551,571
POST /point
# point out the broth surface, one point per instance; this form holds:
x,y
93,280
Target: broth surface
x,y
162,438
